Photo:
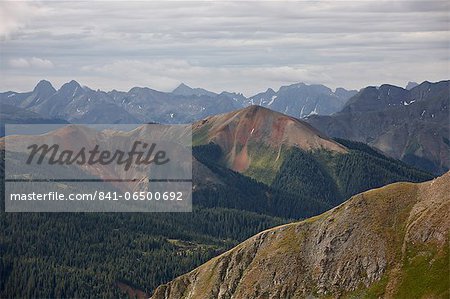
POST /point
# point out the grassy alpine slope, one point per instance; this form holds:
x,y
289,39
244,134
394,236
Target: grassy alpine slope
x,y
388,242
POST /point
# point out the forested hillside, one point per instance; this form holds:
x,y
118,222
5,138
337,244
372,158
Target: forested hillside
x,y
333,178
307,183
47,255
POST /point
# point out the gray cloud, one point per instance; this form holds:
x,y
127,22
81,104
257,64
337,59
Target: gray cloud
x,y
33,62
237,46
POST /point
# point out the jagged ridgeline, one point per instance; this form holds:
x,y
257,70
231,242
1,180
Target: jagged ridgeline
x,y
410,125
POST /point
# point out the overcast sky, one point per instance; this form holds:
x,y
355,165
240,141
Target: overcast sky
x,y
222,45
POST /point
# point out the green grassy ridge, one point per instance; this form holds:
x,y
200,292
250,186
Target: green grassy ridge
x,y
420,271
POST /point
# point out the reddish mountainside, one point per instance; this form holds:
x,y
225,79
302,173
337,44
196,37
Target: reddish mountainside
x,y
244,133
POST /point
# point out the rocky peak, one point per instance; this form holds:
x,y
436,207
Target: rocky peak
x,y
44,88
411,85
186,90
71,86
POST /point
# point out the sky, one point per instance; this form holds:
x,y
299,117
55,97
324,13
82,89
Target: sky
x,y
237,46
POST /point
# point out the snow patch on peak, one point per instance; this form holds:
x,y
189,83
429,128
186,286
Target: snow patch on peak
x,y
272,100
407,104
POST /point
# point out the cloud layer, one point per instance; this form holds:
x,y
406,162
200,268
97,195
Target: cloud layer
x,y
236,46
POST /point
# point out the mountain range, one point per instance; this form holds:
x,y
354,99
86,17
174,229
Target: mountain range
x,y
411,125
301,100
390,242
80,104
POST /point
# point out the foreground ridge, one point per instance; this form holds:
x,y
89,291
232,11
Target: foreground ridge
x,y
390,242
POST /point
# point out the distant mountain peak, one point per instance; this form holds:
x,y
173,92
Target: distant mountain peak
x,y
73,82
182,89
344,93
387,85
71,85
411,85
407,118
342,89
186,90
372,98
44,86
318,88
295,85
183,86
